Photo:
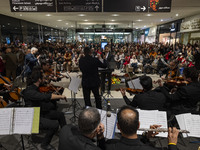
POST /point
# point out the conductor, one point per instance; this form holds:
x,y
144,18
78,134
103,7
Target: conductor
x,y
90,78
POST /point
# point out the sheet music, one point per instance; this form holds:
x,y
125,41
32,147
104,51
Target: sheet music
x,y
151,117
195,129
74,84
192,123
135,84
181,121
6,115
23,120
110,125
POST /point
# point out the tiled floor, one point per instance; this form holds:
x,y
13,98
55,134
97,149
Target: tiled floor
x,y
12,142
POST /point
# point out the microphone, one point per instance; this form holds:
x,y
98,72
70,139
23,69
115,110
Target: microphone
x,y
108,109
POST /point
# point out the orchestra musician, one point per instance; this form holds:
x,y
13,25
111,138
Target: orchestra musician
x,y
50,118
185,99
149,99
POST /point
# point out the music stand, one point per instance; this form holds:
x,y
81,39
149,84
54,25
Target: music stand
x,y
74,88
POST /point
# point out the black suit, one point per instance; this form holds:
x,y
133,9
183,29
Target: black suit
x,y
151,100
71,139
49,117
185,99
131,144
90,79
106,73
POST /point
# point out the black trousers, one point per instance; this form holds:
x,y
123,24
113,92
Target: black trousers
x,y
86,95
50,121
51,126
103,77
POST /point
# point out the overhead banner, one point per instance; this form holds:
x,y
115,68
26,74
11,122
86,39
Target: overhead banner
x,y
137,5
79,5
160,5
32,6
125,5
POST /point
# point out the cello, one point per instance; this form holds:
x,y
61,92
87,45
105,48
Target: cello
x,y
15,94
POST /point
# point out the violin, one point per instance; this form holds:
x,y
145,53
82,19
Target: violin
x,y
132,91
176,81
15,94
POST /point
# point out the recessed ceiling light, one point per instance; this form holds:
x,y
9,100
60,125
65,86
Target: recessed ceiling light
x,y
177,15
115,15
145,26
86,28
20,14
136,28
86,20
112,20
48,15
72,26
161,20
149,15
66,23
81,15
59,20
139,20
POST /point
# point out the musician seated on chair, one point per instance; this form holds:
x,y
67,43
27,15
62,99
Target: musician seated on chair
x,y
82,138
149,99
185,99
50,119
128,124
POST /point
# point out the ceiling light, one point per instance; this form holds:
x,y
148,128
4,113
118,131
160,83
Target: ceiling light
x,y
56,26
86,20
161,20
66,23
20,14
149,15
136,28
145,26
86,28
115,15
139,20
48,15
81,15
72,26
177,15
59,20
112,20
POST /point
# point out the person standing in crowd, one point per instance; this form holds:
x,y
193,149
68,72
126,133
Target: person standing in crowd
x,y
106,73
149,99
10,63
90,79
30,61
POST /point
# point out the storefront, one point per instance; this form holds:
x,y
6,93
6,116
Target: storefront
x,y
169,33
150,35
190,29
95,35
